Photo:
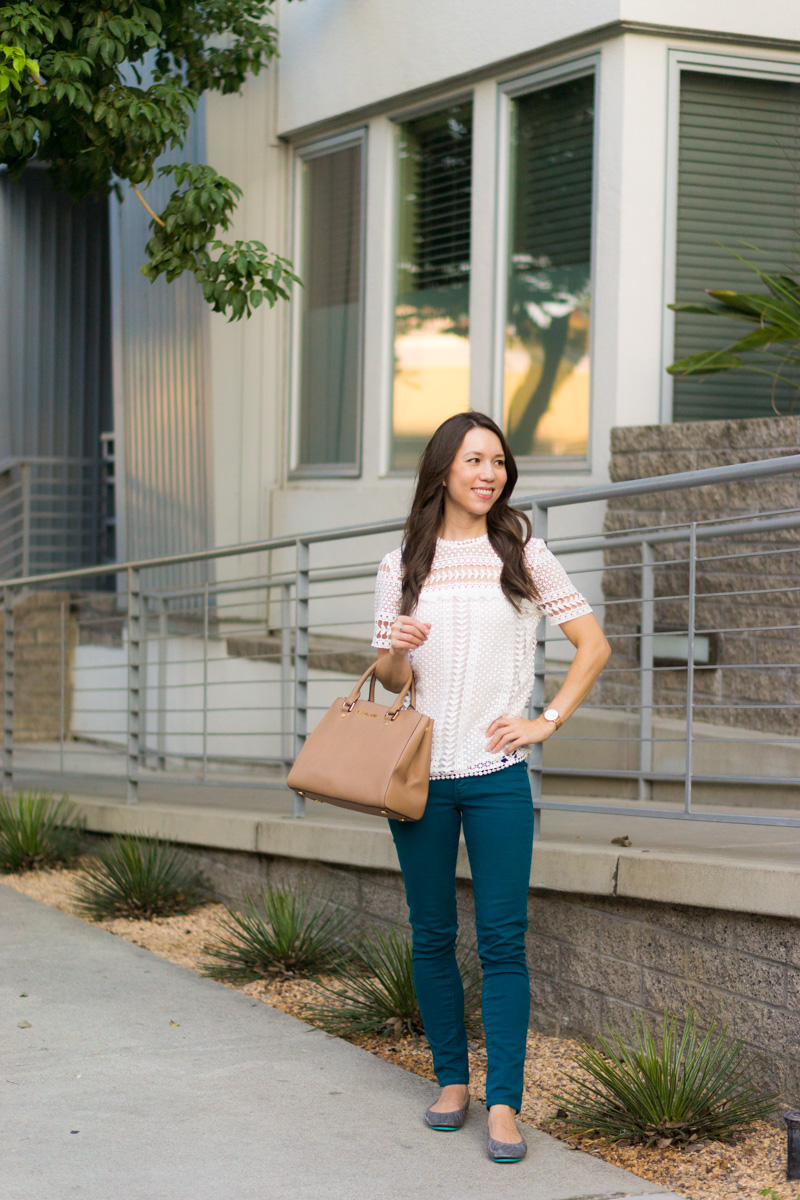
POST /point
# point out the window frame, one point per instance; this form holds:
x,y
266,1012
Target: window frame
x,y
398,118
679,60
302,155
508,91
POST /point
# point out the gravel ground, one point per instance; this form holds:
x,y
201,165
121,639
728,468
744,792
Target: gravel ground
x,y
708,1171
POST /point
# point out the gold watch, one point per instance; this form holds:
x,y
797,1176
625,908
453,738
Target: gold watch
x,y
553,715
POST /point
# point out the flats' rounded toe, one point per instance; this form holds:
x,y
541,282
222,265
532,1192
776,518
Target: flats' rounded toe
x,y
502,1152
446,1122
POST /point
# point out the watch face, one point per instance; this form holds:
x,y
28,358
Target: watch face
x,y
551,714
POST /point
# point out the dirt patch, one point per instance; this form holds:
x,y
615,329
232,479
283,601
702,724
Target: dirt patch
x,y
709,1171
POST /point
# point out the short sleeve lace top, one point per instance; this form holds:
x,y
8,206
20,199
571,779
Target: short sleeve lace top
x,y
478,661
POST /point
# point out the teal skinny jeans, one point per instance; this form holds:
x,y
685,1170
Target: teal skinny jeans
x,y
496,813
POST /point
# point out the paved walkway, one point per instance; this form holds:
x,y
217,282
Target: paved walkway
x,y
141,1080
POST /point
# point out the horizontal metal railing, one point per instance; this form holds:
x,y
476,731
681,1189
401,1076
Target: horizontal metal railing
x,y
48,514
217,684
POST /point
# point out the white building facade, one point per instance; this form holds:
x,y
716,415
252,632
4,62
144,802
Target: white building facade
x,y
490,206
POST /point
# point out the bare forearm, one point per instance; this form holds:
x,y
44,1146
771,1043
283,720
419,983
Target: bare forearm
x,y
392,670
589,660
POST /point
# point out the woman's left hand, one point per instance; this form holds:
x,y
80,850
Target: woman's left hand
x,y
509,733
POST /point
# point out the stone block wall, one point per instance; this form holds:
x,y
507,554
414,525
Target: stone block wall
x,y
42,645
598,959
748,587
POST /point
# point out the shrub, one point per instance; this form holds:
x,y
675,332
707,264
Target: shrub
x,y
139,875
376,994
297,934
681,1090
37,831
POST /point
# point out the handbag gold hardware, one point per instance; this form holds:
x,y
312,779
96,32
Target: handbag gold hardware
x,y
380,766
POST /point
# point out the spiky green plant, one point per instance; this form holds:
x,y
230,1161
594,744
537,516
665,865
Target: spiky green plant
x,y
38,831
376,993
294,932
682,1089
140,875
776,336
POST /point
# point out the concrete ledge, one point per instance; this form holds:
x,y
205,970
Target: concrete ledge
x,y
729,882
710,882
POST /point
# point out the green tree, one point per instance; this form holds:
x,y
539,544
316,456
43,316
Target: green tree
x,y
77,94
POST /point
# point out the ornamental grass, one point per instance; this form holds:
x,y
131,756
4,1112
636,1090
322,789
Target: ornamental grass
x,y
140,875
293,933
376,994
37,832
676,1090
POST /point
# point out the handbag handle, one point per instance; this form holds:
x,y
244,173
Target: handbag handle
x,y
351,700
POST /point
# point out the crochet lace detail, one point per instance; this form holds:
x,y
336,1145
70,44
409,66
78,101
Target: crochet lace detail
x,y
477,663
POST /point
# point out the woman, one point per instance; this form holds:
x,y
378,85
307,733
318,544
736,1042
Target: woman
x,y
460,603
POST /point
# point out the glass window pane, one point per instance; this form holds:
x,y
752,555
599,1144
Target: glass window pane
x,y
431,347
546,365
330,351
738,187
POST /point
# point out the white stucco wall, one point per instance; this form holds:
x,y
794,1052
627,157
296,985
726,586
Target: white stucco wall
x,y
337,57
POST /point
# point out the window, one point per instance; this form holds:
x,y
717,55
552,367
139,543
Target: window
x,y
546,360
431,345
328,357
738,185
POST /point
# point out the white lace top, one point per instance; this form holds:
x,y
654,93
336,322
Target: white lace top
x,y
477,663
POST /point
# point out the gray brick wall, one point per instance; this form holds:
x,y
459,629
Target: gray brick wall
x,y
594,959
753,668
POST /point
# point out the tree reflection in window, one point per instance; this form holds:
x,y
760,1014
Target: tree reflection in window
x,y
546,367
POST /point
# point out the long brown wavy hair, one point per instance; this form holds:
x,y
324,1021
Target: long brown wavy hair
x,y
427,512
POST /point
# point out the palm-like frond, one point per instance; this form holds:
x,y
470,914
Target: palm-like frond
x,y
776,315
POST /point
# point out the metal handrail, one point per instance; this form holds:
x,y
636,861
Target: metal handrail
x,y
294,590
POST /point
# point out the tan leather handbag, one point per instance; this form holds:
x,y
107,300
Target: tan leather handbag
x,y
366,756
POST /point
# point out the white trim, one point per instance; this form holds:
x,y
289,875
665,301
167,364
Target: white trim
x,y
318,149
786,71
385,394
509,90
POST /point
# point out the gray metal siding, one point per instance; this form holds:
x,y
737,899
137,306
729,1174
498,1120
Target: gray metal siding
x,y
161,360
55,382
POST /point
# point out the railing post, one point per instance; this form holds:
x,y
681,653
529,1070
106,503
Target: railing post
x,y
161,719
25,473
286,676
536,704
143,653
134,651
301,660
687,802
8,689
205,681
646,680
62,689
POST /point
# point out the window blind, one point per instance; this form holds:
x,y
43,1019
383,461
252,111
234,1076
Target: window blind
x,y
433,267
330,354
738,182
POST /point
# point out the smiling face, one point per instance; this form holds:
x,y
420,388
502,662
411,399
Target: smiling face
x,y
477,475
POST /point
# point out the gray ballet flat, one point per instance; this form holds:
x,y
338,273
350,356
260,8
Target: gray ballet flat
x,y
502,1152
446,1121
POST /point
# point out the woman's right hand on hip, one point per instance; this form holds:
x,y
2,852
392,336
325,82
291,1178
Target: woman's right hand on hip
x,y
408,633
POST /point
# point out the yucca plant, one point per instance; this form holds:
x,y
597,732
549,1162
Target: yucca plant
x,y
376,993
140,875
294,932
679,1090
38,831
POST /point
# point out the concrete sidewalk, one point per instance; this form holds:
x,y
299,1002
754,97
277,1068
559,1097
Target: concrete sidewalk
x,y
141,1080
